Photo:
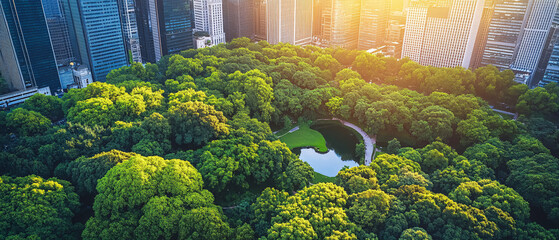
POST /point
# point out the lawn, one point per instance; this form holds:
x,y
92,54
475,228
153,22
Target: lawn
x,y
305,137
319,178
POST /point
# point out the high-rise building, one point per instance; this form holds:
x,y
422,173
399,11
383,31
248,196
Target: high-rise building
x,y
504,32
548,68
98,35
130,29
26,55
165,27
534,35
374,23
482,34
443,33
208,17
238,16
58,29
336,23
288,21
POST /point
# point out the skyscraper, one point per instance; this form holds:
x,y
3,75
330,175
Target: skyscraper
x,y
165,27
534,34
130,29
238,16
482,34
442,34
374,23
504,32
26,55
548,68
288,21
337,23
208,17
58,29
98,35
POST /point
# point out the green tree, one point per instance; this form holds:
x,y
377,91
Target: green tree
x,y
27,123
196,123
94,111
296,228
153,198
358,179
48,106
415,234
37,208
370,209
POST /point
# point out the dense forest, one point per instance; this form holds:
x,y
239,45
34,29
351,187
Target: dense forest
x,y
184,149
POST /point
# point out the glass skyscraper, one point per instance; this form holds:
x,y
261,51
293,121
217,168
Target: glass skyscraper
x,y
26,55
374,23
336,23
58,28
165,27
130,29
98,35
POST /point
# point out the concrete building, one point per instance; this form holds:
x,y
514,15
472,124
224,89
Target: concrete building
x,y
238,16
373,25
287,21
336,23
482,34
99,40
443,33
208,17
165,27
26,55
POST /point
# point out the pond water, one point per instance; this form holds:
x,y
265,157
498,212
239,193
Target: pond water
x,y
341,149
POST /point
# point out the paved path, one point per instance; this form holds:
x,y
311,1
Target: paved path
x,y
290,131
368,140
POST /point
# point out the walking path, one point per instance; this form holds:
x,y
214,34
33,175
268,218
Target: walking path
x,y
367,140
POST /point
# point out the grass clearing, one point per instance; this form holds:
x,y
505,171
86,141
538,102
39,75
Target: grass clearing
x,y
319,178
305,137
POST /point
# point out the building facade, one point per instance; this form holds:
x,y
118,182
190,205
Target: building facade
x,y
287,21
238,16
374,22
208,17
26,55
442,34
336,23
59,33
98,35
165,27
130,30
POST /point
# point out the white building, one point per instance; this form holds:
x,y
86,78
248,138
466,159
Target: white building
x,y
287,21
442,33
208,17
82,77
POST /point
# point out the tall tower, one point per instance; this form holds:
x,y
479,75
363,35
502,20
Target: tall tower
x,y
238,18
442,34
130,29
208,17
98,34
165,27
58,29
374,23
534,35
26,55
288,21
337,23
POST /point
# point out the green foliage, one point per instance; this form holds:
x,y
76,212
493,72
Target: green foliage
x,y
149,198
27,123
48,106
358,179
196,123
37,208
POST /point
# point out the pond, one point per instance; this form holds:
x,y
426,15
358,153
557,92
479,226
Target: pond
x,y
341,149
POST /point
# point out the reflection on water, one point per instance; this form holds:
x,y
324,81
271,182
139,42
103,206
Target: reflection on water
x,y
341,145
327,164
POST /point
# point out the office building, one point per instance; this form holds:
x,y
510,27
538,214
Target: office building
x,y
165,27
548,68
59,34
482,34
98,36
287,21
238,16
130,29
534,35
208,17
504,32
374,23
442,34
336,23
26,55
